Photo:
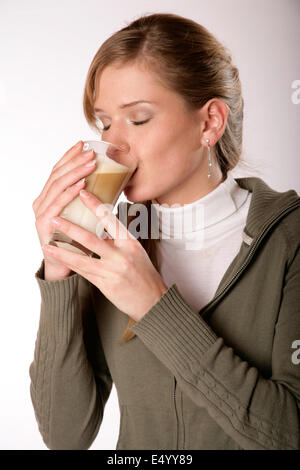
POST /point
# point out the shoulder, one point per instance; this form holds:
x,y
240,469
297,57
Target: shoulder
x,y
290,225
286,233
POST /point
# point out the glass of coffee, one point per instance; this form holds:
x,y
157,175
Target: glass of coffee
x,y
106,182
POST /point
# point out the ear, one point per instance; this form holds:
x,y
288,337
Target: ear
x,y
213,117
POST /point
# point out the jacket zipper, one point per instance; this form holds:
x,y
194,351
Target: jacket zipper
x,y
252,249
177,423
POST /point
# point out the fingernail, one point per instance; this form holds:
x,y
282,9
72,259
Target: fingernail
x,y
78,144
84,193
92,163
88,153
55,221
79,183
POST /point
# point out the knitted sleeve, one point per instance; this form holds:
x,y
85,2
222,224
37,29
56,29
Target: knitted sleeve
x,y
70,380
258,413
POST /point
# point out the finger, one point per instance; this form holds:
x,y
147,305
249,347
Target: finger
x,y
57,206
85,264
61,183
84,237
93,278
65,158
70,154
111,223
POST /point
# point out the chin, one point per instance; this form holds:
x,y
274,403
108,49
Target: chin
x,y
133,195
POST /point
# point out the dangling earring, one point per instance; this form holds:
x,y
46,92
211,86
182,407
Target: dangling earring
x,y
209,158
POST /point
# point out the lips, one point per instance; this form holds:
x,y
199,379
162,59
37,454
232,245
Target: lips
x,y
133,174
131,177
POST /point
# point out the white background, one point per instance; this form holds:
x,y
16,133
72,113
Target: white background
x,y
45,51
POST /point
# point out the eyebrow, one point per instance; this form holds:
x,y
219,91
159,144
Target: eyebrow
x,y
126,105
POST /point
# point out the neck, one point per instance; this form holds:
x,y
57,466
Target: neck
x,y
194,188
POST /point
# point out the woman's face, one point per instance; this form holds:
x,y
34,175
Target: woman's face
x,y
165,148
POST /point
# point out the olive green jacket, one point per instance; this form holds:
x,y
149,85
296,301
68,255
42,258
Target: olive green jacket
x,y
227,377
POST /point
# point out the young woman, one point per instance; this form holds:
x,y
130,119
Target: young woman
x,y
199,329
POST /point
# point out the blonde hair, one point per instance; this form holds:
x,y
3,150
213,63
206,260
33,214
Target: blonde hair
x,y
190,61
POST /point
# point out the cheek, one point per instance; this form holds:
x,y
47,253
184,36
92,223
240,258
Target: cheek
x,y
164,169
159,145
168,153
177,134
165,154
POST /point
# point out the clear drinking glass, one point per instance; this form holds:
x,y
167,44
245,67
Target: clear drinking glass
x,y
106,182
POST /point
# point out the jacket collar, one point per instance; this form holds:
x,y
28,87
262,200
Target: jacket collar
x,y
266,204
266,208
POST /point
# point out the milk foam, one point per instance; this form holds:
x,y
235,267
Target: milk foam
x,y
107,165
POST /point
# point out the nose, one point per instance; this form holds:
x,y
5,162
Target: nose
x,y
120,148
116,135
115,148
123,147
119,152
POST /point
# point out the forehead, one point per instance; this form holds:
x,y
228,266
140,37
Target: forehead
x,y
120,84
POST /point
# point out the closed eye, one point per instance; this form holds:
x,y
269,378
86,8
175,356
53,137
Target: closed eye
x,y
136,123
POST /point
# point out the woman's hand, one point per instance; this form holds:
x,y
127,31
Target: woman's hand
x,y
124,274
62,186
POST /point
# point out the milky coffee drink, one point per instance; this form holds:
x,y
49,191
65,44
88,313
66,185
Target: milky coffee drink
x,y
105,185
106,182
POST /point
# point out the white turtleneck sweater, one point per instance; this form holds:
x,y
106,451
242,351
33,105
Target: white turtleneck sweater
x,y
198,241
